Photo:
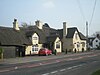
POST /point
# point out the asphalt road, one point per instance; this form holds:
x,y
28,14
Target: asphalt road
x,y
77,65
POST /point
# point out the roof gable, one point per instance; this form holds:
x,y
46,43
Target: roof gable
x,y
39,32
82,37
71,32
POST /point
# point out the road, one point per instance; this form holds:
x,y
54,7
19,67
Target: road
x,y
76,65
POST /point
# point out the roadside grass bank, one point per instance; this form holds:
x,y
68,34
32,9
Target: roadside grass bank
x,y
96,72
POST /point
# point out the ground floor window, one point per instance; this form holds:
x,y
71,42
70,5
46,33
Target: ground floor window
x,y
83,44
35,48
57,45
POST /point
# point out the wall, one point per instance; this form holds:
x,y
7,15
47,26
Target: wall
x,y
28,50
76,42
60,47
83,41
96,43
68,44
40,46
9,51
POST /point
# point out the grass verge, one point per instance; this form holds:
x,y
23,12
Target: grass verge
x,y
96,73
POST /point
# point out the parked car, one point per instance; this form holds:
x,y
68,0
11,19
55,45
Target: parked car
x,y
45,51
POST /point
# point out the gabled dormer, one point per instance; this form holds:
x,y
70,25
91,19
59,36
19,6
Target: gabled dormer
x,y
35,38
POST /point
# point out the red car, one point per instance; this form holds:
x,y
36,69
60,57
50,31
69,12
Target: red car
x,y
45,51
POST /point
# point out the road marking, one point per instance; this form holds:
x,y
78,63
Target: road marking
x,y
62,69
69,68
40,63
54,72
75,66
46,74
57,60
16,67
94,61
82,64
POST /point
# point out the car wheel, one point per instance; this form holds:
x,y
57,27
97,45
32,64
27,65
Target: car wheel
x,y
50,53
39,55
46,54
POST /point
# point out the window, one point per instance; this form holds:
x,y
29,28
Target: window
x,y
57,45
96,40
35,38
35,48
83,44
96,45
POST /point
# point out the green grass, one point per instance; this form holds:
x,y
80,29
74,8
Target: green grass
x,y
96,73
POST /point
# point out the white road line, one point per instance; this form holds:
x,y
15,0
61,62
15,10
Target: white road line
x,y
94,61
54,72
65,69
75,66
16,67
40,63
46,74
62,69
57,60
81,64
69,68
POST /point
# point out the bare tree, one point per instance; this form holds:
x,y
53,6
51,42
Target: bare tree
x,y
24,24
96,33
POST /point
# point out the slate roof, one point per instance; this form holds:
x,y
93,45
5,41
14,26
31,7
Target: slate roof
x,y
70,32
9,36
82,37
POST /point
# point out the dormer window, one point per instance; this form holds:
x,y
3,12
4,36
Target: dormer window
x,y
96,40
35,38
57,45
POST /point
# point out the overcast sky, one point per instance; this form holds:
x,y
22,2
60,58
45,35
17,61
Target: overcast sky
x,y
53,12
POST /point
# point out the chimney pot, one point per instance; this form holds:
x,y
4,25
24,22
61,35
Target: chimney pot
x,y
15,25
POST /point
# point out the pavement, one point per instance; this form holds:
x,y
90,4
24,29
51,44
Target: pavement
x,y
27,59
35,61
30,63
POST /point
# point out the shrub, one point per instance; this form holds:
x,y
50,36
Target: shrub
x,y
96,73
1,53
1,50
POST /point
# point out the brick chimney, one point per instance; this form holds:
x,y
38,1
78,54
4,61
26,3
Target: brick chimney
x,y
15,25
39,24
64,30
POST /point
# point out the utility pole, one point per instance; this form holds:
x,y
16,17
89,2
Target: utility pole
x,y
87,35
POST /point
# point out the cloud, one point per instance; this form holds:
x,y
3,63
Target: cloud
x,y
49,4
